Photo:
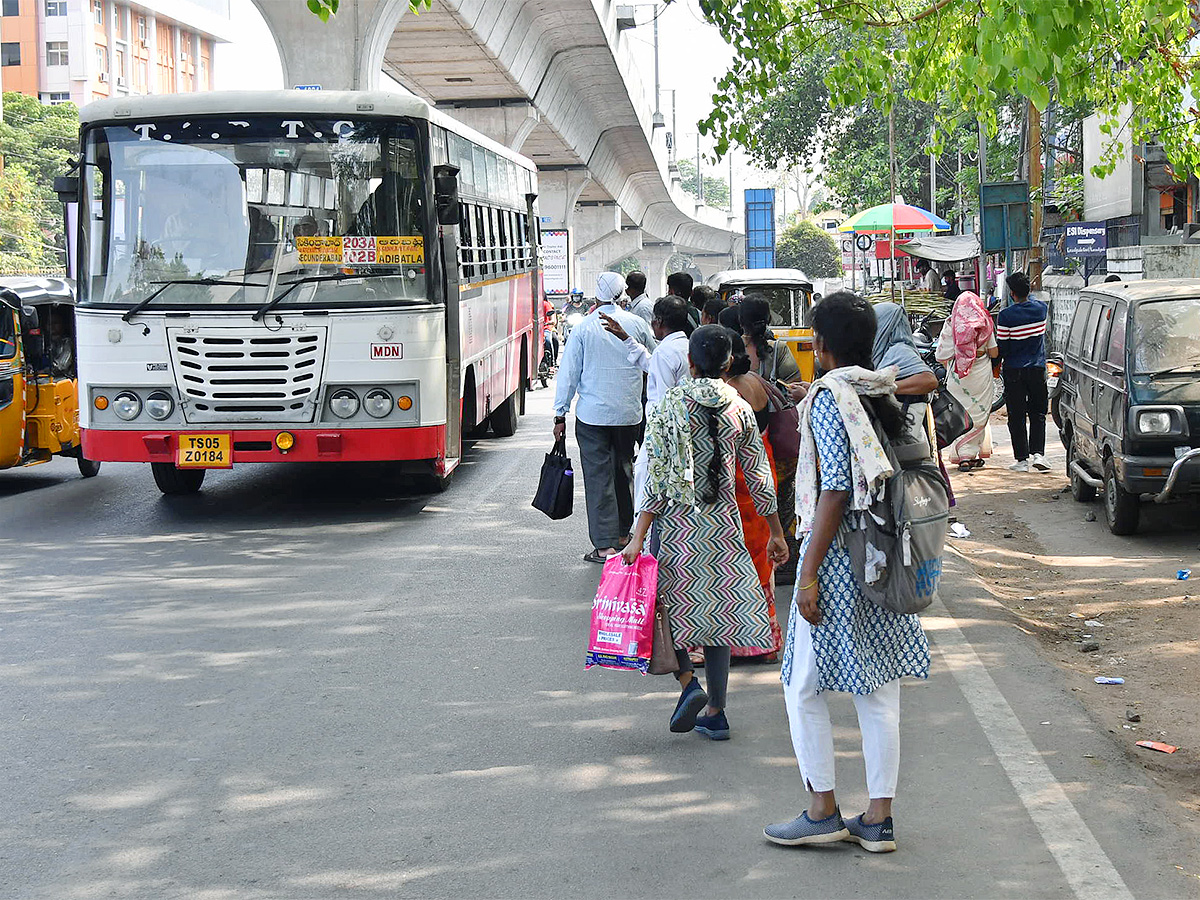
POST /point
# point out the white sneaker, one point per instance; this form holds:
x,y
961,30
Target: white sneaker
x,y
1021,465
1038,461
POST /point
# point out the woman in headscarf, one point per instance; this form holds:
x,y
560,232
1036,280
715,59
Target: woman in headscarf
x,y
894,346
695,438
772,360
750,387
966,347
837,639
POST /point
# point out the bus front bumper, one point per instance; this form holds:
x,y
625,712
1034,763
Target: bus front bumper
x,y
259,444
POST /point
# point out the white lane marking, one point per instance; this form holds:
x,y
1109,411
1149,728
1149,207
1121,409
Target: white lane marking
x,y
1085,865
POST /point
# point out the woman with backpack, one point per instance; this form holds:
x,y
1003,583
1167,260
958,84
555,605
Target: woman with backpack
x,y
837,640
696,436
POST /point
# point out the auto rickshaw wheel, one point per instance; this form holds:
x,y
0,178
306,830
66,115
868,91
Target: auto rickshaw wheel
x,y
171,480
88,468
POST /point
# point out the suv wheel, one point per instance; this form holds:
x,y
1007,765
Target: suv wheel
x,y
1121,508
1080,489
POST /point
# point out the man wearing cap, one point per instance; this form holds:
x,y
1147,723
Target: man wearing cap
x,y
607,387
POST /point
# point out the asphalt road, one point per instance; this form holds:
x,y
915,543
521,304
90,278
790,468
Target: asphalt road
x,y
313,682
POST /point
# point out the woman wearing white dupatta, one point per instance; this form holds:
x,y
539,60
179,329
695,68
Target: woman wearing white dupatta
x,y
838,640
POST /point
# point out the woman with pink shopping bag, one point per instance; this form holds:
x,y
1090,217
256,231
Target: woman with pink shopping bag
x,y
695,437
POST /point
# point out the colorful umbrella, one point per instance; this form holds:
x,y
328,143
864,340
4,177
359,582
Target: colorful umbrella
x,y
889,217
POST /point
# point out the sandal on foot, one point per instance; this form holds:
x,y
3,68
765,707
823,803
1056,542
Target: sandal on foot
x,y
597,556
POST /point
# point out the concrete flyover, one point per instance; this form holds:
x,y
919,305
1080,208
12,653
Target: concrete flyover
x,y
553,79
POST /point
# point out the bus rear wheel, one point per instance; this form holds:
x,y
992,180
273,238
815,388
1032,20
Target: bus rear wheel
x,y
171,480
88,468
504,418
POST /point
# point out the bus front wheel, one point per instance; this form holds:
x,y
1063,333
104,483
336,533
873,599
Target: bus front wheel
x,y
171,480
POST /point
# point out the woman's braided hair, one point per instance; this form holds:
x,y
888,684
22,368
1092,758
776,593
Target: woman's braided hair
x,y
709,349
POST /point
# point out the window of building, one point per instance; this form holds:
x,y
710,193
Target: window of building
x,y
203,72
56,53
142,29
101,59
11,7
56,98
98,8
10,53
56,8
119,63
143,75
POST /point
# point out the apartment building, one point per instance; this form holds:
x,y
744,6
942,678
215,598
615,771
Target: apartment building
x,y
85,50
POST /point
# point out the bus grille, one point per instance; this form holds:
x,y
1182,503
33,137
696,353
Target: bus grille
x,y
248,375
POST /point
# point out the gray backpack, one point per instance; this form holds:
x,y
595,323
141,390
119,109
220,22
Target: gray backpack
x,y
896,544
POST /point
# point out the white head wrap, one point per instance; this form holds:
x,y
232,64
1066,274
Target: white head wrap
x,y
609,286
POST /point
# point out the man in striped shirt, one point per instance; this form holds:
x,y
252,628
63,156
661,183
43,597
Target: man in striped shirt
x,y
1021,336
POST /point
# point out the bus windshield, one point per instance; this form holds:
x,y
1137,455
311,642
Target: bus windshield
x,y
213,210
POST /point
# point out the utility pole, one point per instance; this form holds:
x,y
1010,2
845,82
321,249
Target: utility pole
x,y
980,284
932,175
699,176
892,188
1035,189
658,116
674,130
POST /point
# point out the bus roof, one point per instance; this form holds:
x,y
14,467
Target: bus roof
x,y
340,104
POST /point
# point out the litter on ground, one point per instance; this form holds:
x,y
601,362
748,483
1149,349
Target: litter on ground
x,y
1157,745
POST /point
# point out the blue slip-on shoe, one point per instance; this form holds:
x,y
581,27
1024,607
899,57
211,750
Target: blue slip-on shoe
x,y
715,727
691,701
803,830
877,838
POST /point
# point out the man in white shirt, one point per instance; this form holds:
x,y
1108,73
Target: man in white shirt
x,y
640,303
665,367
595,368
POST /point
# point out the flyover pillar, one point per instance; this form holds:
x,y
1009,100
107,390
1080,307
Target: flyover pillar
x,y
654,257
597,256
344,54
710,264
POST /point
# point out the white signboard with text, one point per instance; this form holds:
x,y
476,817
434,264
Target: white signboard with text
x,y
556,263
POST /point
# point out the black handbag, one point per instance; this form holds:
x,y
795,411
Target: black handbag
x,y
556,488
950,418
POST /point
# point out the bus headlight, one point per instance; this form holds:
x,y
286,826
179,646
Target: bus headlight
x,y
160,405
127,405
343,403
377,403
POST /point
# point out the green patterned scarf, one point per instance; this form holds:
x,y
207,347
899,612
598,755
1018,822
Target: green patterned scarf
x,y
670,469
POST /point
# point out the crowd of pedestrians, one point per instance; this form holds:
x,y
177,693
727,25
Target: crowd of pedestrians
x,y
715,500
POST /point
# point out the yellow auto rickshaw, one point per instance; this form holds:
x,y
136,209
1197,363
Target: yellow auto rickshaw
x,y
790,294
39,409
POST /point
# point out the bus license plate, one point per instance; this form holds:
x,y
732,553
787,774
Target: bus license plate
x,y
205,451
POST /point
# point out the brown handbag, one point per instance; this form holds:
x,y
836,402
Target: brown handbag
x,y
662,653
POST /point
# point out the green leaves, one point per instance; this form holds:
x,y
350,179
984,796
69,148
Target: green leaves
x,y
962,55
323,9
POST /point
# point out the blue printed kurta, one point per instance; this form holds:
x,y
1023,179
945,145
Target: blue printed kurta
x,y
859,646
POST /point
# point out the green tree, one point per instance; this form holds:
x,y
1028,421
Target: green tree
x,y
964,56
716,188
20,234
806,247
41,142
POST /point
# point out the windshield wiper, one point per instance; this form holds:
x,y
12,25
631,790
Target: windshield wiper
x,y
1192,366
163,285
310,279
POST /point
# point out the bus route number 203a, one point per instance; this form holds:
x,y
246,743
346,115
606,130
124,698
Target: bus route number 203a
x,y
204,451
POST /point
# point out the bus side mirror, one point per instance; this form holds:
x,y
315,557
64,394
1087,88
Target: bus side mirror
x,y
445,194
67,188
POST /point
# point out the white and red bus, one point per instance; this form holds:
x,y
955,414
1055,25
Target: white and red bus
x,y
299,276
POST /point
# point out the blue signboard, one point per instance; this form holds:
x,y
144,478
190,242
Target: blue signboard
x,y
1085,238
760,228
308,87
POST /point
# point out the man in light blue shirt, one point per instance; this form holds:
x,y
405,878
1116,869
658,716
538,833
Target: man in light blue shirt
x,y
596,372
640,303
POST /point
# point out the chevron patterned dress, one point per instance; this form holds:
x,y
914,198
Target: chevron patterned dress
x,y
705,573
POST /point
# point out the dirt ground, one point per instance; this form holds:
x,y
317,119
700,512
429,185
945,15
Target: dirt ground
x,y
1071,583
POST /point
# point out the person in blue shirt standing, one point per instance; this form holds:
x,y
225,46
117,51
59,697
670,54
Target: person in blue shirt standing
x,y
596,369
1021,337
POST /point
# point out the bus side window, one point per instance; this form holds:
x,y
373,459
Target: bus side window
x,y
502,233
481,242
522,243
466,252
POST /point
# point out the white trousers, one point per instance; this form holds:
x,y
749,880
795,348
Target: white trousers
x,y
640,470
812,732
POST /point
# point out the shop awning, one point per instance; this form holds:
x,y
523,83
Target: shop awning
x,y
944,248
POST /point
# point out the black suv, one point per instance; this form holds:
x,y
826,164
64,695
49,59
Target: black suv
x,y
1130,395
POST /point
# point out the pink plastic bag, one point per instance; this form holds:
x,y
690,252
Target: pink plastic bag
x,y
623,615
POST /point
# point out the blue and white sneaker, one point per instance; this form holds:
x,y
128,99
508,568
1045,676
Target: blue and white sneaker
x,y
714,727
691,701
877,838
803,830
